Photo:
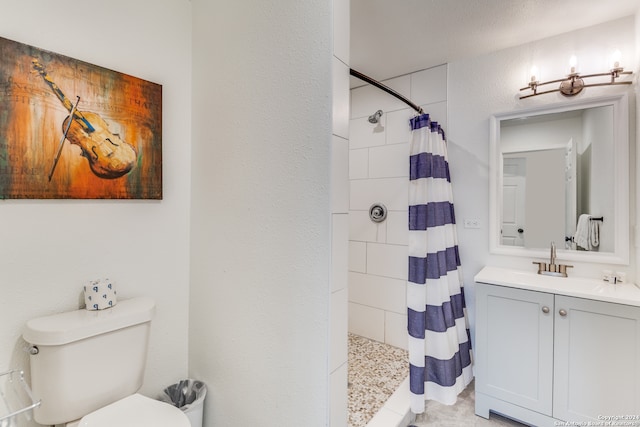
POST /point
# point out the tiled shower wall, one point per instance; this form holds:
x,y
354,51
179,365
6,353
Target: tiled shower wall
x,y
379,173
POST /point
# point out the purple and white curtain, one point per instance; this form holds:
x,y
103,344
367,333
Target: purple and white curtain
x,y
439,339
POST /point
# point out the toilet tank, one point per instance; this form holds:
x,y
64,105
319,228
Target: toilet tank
x,y
87,359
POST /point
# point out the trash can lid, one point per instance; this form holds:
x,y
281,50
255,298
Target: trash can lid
x,y
135,411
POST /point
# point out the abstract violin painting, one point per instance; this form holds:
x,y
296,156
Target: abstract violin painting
x,y
108,156
69,129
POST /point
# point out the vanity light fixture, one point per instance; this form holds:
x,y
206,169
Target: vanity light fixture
x,y
573,83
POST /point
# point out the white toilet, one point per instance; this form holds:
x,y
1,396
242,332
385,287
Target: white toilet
x,y
86,367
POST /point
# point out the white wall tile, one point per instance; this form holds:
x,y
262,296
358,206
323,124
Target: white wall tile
x,y
366,321
341,33
395,329
361,228
398,126
389,161
381,232
340,76
438,113
359,164
339,175
376,291
338,383
358,256
339,319
429,86
392,192
339,251
363,134
367,99
397,227
387,260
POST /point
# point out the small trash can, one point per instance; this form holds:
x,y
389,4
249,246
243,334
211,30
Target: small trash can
x,y
187,395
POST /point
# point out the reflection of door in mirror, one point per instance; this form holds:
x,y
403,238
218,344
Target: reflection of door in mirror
x,y
536,206
564,176
513,196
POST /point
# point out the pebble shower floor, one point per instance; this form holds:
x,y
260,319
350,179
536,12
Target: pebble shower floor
x,y
375,372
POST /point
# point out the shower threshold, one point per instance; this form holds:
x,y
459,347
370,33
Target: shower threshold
x,y
396,411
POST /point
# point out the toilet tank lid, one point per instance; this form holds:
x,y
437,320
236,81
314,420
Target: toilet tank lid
x,y
75,325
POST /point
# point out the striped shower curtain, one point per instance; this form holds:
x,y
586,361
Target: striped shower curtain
x,y
439,339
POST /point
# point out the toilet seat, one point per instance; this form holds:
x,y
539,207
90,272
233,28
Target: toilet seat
x,y
136,411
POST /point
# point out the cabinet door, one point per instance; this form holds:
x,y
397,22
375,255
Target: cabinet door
x,y
514,346
597,368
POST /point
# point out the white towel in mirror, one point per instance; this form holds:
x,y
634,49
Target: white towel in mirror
x,y
587,234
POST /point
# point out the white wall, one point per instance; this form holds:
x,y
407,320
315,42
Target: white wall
x,y
50,248
486,85
378,170
338,350
261,223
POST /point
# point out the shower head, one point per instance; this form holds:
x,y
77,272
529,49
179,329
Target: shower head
x,y
375,116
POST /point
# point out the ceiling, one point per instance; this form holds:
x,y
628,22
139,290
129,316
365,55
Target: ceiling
x,y
390,38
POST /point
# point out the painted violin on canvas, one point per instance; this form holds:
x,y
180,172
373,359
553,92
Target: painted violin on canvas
x,y
108,155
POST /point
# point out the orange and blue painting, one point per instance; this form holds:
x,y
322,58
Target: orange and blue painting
x,y
73,130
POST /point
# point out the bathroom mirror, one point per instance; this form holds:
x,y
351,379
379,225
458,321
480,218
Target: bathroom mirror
x,y
550,165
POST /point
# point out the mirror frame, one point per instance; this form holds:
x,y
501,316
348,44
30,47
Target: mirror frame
x,y
620,255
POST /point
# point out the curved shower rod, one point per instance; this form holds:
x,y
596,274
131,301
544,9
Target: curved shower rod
x,y
387,89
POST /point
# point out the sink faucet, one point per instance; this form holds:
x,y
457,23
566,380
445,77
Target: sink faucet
x,y
552,269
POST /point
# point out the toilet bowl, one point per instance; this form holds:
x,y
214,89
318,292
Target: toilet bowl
x,y
135,411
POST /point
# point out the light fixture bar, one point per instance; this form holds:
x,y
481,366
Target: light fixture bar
x,y
574,83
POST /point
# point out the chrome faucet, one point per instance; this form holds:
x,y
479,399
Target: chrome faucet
x,y
552,269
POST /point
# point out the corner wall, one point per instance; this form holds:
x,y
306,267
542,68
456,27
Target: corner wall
x,y
261,224
338,348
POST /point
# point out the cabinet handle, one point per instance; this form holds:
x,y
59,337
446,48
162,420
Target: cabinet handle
x,y
545,309
562,312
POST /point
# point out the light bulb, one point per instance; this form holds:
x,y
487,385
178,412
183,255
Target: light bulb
x,y
573,63
534,73
615,58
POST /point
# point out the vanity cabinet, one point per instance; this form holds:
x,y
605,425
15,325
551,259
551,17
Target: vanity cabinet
x,y
543,357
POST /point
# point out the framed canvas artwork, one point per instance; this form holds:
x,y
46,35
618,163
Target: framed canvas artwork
x,y
73,130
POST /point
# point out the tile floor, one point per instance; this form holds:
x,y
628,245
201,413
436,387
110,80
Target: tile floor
x,y
460,414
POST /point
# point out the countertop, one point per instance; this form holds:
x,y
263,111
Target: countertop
x,y
620,293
